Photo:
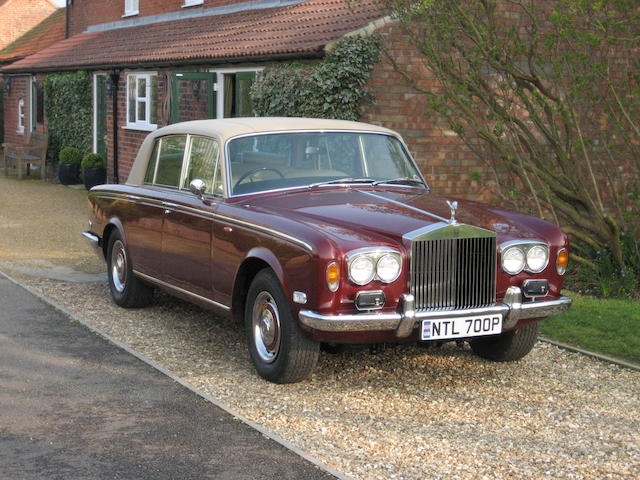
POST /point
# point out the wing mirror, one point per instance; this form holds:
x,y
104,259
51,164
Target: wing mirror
x,y
197,187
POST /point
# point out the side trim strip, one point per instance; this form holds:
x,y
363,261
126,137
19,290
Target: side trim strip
x,y
181,290
415,209
161,204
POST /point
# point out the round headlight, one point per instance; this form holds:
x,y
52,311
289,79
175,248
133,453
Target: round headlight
x,y
513,260
537,259
361,270
388,267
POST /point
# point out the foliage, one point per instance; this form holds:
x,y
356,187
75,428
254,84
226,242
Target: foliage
x,y
1,112
70,155
608,326
69,111
549,94
333,88
92,160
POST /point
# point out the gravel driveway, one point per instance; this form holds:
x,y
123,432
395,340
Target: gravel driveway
x,y
408,412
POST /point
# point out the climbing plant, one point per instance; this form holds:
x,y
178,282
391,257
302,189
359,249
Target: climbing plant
x,y
68,109
332,88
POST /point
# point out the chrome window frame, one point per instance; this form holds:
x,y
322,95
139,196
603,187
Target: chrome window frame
x,y
185,163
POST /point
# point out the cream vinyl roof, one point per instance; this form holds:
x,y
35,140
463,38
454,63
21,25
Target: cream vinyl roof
x,y
227,128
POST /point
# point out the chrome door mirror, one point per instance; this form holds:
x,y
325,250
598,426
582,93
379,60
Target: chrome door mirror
x,y
197,187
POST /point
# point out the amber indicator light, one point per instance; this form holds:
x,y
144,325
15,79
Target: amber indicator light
x,y
563,260
333,276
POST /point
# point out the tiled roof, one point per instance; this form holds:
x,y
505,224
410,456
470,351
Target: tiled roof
x,y
297,29
47,32
19,16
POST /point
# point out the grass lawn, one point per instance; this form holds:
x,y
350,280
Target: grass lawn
x,y
602,325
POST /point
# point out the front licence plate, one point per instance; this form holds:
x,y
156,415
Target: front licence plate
x,y
461,327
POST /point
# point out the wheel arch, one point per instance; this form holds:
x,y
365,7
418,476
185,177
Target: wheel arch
x,y
114,225
256,260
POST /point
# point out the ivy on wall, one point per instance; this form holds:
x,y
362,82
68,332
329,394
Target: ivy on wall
x,y
332,88
1,111
69,111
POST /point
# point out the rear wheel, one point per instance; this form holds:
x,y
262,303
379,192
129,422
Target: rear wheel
x,y
127,290
508,346
279,349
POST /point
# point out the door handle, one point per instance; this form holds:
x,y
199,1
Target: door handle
x,y
167,211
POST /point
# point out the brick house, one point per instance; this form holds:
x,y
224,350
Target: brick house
x,y
156,62
25,28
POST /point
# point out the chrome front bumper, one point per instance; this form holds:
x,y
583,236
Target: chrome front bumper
x,y
94,241
403,322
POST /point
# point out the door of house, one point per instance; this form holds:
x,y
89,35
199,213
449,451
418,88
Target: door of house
x,y
193,96
101,116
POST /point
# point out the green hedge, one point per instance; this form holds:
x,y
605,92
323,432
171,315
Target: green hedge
x,y
69,111
332,88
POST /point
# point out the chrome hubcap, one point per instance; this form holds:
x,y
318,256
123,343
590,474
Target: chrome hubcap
x,y
118,266
266,327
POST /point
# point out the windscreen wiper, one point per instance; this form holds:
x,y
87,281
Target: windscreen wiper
x,y
343,180
399,180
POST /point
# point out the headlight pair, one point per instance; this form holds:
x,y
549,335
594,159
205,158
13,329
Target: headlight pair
x,y
532,257
366,265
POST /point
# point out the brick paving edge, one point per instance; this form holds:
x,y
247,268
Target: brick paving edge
x,y
605,358
275,437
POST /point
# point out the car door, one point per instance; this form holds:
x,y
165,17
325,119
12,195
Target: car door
x,y
188,221
143,221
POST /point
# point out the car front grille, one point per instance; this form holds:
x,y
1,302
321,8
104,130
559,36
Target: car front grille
x,y
450,274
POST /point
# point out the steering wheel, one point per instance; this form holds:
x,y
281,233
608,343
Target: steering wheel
x,y
256,170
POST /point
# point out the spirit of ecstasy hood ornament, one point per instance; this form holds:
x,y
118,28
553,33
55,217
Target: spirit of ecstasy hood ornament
x,y
453,206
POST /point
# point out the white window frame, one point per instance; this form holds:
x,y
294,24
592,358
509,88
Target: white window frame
x,y
145,125
131,7
21,116
192,3
219,86
33,100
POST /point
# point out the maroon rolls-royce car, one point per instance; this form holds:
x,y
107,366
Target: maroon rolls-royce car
x,y
322,231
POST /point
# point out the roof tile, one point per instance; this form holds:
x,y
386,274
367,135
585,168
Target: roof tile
x,y
300,28
49,31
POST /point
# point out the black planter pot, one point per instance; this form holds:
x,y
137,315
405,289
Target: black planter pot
x,y
94,176
68,173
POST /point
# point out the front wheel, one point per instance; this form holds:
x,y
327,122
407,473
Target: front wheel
x,y
508,346
279,349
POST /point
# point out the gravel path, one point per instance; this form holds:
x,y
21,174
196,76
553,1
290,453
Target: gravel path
x,y
405,413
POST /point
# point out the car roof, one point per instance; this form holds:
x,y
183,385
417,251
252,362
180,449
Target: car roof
x,y
230,127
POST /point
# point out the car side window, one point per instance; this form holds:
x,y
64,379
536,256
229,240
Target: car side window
x,y
153,161
169,160
203,162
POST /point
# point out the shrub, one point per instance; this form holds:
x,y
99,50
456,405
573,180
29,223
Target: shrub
x,y
70,155
69,111
92,160
333,88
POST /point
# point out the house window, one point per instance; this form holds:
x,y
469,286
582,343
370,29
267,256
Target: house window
x,y
130,7
234,93
36,110
21,116
191,3
142,92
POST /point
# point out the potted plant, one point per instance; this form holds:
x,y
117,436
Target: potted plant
x,y
93,170
69,168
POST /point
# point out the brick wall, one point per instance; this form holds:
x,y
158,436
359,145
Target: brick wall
x,y
19,90
450,168
84,13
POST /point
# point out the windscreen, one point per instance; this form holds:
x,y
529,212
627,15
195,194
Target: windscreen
x,y
287,160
